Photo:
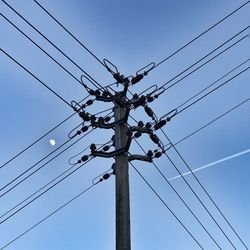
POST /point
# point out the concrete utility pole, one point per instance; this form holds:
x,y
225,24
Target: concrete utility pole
x,y
122,184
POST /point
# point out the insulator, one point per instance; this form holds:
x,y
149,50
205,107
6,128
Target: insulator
x,y
148,125
87,117
160,124
93,118
97,92
140,102
79,161
140,124
150,153
158,154
105,93
107,119
85,158
137,78
101,119
106,148
106,176
89,102
135,96
82,114
149,111
154,138
118,77
137,134
92,147
84,128
150,98
91,91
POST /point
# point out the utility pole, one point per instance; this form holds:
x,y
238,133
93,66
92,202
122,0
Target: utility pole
x,y
121,140
122,183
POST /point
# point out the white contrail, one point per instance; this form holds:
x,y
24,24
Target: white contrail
x,y
212,163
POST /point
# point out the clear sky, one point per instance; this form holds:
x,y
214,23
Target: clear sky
x,y
131,34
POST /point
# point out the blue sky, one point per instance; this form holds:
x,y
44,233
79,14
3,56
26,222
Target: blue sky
x,y
131,34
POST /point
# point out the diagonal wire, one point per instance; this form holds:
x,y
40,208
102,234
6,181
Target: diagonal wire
x,y
49,215
42,166
181,198
38,46
70,33
201,34
165,204
204,189
199,67
56,47
45,85
195,194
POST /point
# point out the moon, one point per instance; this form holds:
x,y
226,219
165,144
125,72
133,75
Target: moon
x,y
52,142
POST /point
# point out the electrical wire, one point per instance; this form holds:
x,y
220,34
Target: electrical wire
x,y
210,122
201,34
42,166
49,215
38,46
45,85
194,192
213,83
181,198
204,189
211,91
165,204
70,33
199,67
56,47
51,130
45,191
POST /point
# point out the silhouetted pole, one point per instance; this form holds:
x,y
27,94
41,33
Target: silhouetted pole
x,y
122,184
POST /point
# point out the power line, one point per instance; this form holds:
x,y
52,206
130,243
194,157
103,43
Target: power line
x,y
56,47
77,40
49,215
203,33
192,190
38,46
42,166
199,67
45,85
181,198
164,203
204,189
213,83
211,91
45,191
212,121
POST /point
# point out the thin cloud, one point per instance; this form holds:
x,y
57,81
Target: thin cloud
x,y
212,164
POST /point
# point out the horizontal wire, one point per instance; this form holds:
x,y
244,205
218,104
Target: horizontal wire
x,y
200,35
165,204
60,24
48,216
56,47
45,85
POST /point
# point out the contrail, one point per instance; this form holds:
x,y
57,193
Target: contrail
x,y
212,164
